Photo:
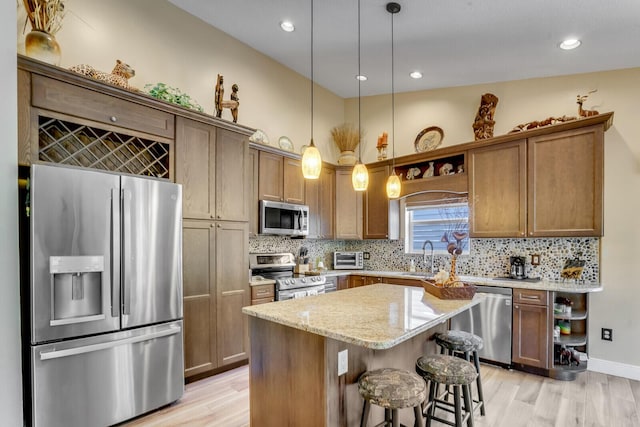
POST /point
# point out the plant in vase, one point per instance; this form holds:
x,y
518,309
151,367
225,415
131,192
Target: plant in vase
x,y
456,237
347,138
45,17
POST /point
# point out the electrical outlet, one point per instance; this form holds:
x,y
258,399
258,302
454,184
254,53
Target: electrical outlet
x,y
343,362
607,334
366,255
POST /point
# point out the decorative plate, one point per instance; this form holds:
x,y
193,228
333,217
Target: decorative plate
x,y
285,143
259,136
304,147
429,139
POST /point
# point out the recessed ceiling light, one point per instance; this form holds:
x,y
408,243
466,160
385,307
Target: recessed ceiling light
x,y
416,75
569,44
287,26
361,78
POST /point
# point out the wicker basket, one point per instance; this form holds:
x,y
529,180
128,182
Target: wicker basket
x,y
454,292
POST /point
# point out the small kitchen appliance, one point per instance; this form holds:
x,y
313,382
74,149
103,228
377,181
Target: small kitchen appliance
x,y
517,267
353,260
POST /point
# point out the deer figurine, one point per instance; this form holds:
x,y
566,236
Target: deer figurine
x,y
581,111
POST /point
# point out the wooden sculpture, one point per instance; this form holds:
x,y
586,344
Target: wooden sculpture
x,y
483,124
580,101
231,104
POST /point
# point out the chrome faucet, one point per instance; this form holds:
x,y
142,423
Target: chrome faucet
x,y
424,253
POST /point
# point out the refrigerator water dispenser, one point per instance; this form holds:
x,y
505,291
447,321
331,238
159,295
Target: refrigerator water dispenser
x,y
76,289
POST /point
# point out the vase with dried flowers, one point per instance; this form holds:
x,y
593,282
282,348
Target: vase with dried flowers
x,y
346,137
45,17
456,237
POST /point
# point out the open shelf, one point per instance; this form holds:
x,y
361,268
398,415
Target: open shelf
x,y
574,315
567,372
571,340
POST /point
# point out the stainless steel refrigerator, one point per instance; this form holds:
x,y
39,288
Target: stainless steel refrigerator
x,y
105,296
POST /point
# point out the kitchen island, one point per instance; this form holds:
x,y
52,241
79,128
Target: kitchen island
x,y
295,344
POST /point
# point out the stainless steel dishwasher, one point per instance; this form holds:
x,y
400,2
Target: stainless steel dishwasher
x,y
491,320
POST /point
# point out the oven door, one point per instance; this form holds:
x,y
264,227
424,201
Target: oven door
x,y
299,292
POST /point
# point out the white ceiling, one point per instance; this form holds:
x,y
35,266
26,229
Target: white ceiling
x,y
452,42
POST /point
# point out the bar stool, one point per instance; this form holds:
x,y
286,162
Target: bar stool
x,y
449,371
392,389
466,344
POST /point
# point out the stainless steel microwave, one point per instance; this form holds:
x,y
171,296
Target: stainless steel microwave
x,y
353,260
284,219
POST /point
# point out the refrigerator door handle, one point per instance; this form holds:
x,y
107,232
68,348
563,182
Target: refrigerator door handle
x,y
56,354
126,252
115,252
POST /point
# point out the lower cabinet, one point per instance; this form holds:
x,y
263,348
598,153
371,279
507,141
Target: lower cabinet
x,y
215,283
343,282
531,327
262,294
356,281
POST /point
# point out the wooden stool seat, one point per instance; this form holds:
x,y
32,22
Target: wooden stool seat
x,y
392,389
459,341
450,371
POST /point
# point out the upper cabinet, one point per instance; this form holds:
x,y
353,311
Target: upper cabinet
x,y
280,178
548,185
348,207
565,173
320,196
498,190
212,166
376,204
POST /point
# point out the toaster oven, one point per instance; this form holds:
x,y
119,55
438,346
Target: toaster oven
x,y
353,260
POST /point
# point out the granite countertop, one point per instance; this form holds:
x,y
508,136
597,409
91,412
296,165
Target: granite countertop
x,y
378,316
543,284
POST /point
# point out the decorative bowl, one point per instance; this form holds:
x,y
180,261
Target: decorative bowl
x,y
466,291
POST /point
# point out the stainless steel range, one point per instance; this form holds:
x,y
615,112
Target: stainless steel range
x,y
279,267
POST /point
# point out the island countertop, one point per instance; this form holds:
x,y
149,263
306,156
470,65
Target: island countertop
x,y
377,316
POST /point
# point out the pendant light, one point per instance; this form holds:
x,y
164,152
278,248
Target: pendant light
x,y
393,182
360,175
311,160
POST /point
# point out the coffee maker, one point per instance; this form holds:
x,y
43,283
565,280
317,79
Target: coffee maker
x,y
517,267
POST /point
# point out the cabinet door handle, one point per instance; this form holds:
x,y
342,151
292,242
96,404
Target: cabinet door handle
x,y
113,119
530,297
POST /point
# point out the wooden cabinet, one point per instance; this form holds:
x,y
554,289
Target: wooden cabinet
x,y
376,204
356,281
280,178
215,281
212,166
566,183
370,280
232,291
531,326
254,200
549,185
262,294
348,207
199,297
320,196
498,190
343,282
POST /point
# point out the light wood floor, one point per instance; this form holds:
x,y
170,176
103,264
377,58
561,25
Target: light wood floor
x,y
513,399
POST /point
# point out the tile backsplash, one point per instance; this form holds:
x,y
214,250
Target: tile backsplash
x,y
487,257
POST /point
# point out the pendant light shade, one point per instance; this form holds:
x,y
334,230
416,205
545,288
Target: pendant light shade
x,y
311,162
311,159
360,177
393,186
360,174
393,182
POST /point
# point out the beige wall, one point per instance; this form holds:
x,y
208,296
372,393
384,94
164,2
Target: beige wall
x,y
168,45
11,389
